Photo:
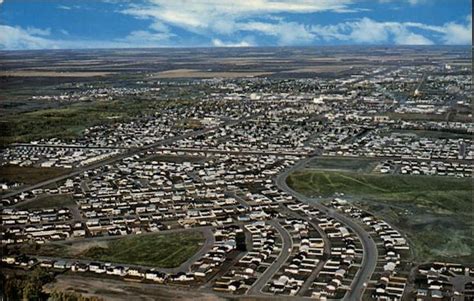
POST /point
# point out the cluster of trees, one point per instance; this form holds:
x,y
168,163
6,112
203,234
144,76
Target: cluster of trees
x,y
26,287
30,287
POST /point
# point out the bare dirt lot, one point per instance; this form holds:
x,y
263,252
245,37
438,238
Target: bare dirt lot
x,y
117,290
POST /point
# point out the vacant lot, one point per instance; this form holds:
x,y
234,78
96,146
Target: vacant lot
x,y
118,290
48,201
154,250
69,122
435,212
343,164
28,175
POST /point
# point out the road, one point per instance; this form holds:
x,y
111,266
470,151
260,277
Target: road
x,y
119,157
370,255
286,248
72,146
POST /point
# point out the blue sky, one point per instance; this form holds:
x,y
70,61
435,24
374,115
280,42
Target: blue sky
x,y
49,24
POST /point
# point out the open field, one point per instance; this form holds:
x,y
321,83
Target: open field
x,y
48,201
69,122
35,73
154,250
28,175
191,73
435,212
344,164
117,290
322,69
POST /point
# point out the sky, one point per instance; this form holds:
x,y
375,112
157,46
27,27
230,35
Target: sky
x,y
74,24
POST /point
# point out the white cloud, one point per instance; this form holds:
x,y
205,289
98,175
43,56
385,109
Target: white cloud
x,y
415,2
226,17
225,22
220,43
143,38
220,18
370,31
411,2
64,7
458,34
406,37
288,33
38,31
17,38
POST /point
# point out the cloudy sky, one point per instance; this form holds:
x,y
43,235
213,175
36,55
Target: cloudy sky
x,y
50,24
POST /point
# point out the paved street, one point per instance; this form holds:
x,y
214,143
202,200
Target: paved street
x,y
286,248
370,254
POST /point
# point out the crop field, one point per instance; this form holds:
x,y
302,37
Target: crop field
x,y
153,250
435,212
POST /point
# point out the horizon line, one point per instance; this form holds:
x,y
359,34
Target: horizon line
x,y
244,47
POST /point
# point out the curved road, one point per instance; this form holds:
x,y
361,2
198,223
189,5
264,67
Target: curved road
x,y
287,246
370,254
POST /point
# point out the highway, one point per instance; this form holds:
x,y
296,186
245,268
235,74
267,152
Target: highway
x,y
370,253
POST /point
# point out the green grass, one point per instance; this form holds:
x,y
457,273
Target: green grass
x,y
49,201
69,122
346,164
154,250
435,212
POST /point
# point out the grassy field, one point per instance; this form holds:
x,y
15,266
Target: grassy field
x,y
28,175
69,122
49,201
346,164
66,122
154,250
435,212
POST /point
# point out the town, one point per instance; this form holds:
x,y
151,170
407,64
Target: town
x,y
259,186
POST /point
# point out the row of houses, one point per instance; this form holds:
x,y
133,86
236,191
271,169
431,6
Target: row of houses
x,y
266,245
54,156
340,263
431,168
393,249
443,281
405,146
307,251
